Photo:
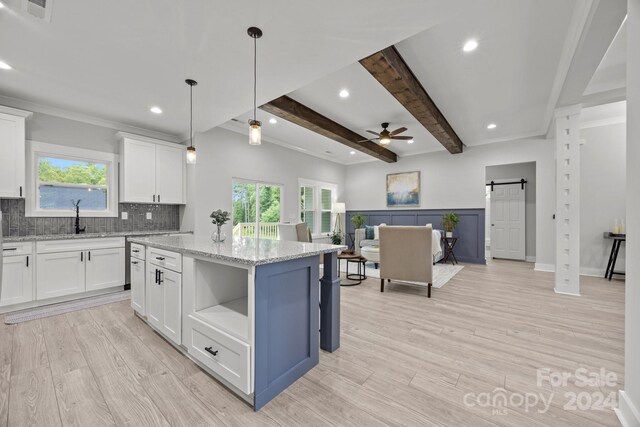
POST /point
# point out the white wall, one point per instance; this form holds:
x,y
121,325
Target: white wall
x,y
602,194
630,399
517,171
458,181
224,155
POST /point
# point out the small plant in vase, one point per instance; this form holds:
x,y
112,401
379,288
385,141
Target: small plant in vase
x,y
449,221
219,218
336,238
358,221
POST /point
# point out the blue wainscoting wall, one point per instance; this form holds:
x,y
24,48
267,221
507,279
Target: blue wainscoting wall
x,y
470,230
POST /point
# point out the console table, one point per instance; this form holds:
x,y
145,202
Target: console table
x,y
449,244
618,239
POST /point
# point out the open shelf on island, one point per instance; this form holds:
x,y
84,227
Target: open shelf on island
x,y
230,317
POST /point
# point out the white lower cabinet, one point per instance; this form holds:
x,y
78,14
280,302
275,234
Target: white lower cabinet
x,y
17,279
105,268
67,267
60,274
138,286
164,299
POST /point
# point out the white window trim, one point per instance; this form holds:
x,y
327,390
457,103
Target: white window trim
x,y
318,186
36,149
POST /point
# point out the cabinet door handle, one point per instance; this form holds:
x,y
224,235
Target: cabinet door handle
x,y
81,256
211,351
27,261
20,191
157,276
89,258
158,198
160,273
160,258
154,197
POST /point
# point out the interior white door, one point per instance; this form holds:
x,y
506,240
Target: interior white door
x,y
17,280
105,268
508,231
139,179
138,286
170,163
59,274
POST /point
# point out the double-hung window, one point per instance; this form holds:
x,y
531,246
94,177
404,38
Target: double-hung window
x,y
59,176
316,199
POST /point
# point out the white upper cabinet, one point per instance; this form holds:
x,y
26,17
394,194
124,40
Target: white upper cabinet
x,y
12,151
151,171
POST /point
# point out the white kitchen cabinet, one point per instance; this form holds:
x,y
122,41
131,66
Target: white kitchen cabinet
x,y
151,171
138,277
12,152
104,268
164,299
17,276
67,267
59,274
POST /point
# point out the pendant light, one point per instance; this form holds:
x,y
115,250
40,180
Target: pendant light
x,y
191,150
255,130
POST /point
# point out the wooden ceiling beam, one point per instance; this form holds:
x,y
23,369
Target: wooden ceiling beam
x,y
393,73
291,110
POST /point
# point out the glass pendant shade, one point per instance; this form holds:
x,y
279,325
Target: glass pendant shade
x,y
191,155
385,141
255,132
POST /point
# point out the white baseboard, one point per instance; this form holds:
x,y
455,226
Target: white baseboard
x,y
550,268
627,412
565,293
530,258
595,272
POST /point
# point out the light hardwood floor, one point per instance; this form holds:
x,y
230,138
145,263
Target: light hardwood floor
x,y
404,360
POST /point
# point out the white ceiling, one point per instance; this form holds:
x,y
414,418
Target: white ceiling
x,y
114,59
508,80
612,71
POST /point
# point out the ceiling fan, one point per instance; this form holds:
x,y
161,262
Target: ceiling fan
x,y
385,136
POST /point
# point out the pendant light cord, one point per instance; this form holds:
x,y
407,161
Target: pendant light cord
x,y
191,114
255,75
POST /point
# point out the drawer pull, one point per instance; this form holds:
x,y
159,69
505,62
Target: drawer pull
x,y
134,262
135,251
9,249
211,351
160,258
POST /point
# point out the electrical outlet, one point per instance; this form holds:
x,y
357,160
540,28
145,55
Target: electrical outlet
x,y
149,216
125,215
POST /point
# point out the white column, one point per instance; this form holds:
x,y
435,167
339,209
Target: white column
x,y
629,402
568,200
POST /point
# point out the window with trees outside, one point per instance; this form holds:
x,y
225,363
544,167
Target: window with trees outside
x,y
315,205
60,175
256,209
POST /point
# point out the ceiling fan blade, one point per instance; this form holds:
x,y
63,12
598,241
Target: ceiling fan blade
x,y
372,139
402,138
375,133
399,130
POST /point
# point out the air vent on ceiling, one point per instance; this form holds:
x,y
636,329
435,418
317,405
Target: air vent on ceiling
x,y
237,121
40,9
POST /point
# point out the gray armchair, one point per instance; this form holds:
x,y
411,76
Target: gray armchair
x,y
401,252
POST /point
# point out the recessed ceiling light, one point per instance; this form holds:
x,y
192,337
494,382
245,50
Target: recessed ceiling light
x,y
156,110
491,126
410,141
352,152
273,121
344,93
470,45
4,66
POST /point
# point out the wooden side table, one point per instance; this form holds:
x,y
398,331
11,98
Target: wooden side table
x,y
361,273
449,244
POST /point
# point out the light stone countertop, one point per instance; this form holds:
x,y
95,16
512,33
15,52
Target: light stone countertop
x,y
17,239
242,250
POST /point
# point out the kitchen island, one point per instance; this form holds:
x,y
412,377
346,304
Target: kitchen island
x,y
245,310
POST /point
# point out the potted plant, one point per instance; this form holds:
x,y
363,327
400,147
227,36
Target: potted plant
x,y
336,238
358,221
449,221
219,218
